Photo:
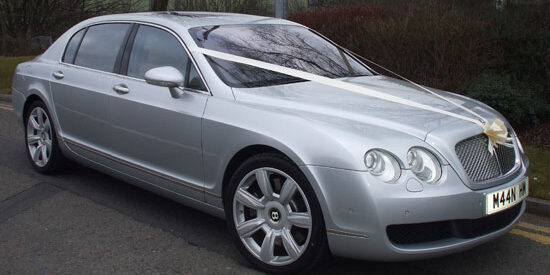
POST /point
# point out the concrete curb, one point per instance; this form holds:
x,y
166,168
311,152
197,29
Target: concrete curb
x,y
538,206
5,98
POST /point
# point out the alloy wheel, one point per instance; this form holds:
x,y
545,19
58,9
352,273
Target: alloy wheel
x,y
272,216
39,137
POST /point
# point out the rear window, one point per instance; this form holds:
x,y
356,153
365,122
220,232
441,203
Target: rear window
x,y
285,45
101,46
72,46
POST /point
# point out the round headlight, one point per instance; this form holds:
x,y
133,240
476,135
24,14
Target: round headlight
x,y
424,165
382,165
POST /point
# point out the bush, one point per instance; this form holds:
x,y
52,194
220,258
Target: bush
x,y
441,47
500,57
511,98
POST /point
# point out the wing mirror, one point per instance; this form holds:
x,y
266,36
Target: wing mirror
x,y
167,76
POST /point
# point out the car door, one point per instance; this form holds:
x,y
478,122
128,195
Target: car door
x,y
154,132
81,84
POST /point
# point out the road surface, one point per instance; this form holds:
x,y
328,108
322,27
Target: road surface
x,y
82,221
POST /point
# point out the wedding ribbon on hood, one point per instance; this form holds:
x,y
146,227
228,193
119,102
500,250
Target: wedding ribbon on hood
x,y
496,131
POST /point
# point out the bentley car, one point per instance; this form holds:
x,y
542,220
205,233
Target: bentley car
x,y
299,169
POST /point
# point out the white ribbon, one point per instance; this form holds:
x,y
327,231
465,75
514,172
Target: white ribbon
x,y
489,129
498,134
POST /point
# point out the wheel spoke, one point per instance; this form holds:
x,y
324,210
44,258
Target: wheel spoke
x,y
32,139
48,144
300,219
264,184
40,117
289,187
290,245
47,125
36,154
248,199
266,251
34,123
250,227
44,154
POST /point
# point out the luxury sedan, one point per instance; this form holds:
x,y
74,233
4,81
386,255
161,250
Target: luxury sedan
x,y
259,121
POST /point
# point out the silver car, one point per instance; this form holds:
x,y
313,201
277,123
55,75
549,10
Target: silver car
x,y
297,168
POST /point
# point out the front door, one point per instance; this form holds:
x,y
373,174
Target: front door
x,y
156,133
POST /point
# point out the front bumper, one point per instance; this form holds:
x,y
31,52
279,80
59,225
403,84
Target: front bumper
x,y
358,210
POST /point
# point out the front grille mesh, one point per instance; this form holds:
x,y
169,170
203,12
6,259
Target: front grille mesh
x,y
478,162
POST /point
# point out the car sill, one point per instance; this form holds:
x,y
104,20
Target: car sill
x,y
139,167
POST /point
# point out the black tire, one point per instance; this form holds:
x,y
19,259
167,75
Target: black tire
x,y
56,161
316,249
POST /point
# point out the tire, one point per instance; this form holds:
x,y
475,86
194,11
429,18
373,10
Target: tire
x,y
41,140
278,233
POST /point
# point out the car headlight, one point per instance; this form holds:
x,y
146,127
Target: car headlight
x,y
382,165
424,165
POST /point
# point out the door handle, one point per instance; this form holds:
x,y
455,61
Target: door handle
x,y
58,75
121,89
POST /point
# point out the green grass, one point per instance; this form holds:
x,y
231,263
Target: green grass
x,y
539,180
7,66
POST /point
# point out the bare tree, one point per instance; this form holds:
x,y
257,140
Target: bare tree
x,y
227,6
159,5
22,20
177,5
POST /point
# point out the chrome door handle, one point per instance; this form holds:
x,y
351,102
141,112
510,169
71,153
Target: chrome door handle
x,y
121,89
58,75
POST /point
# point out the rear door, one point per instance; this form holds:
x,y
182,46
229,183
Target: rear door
x,y
153,131
81,84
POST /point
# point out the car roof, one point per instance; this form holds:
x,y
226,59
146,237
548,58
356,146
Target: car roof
x,y
190,19
179,22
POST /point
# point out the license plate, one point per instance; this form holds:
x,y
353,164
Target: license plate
x,y
505,198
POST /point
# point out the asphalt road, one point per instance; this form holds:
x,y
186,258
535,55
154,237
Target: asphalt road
x,y
82,221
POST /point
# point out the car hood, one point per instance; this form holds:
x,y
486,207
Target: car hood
x,y
316,101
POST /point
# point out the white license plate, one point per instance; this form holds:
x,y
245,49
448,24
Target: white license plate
x,y
505,198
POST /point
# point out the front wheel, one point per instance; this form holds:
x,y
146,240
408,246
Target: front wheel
x,y
274,216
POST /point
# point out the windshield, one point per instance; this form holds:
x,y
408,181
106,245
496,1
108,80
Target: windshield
x,y
285,45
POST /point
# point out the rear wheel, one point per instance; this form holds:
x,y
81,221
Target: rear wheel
x,y
274,216
41,140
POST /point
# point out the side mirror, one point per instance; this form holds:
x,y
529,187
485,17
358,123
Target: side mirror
x,y
167,76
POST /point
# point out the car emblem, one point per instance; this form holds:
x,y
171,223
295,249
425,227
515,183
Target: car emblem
x,y
275,215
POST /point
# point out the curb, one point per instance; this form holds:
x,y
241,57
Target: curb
x,y
538,206
5,98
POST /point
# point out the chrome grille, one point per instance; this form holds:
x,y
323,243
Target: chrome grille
x,y
478,162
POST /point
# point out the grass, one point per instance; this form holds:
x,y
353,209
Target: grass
x,y
7,66
539,180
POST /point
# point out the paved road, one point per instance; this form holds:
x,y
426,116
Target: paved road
x,y
86,222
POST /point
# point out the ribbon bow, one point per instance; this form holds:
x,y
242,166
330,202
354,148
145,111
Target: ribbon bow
x,y
497,134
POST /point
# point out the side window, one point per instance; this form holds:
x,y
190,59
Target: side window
x,y
101,46
154,48
194,81
72,46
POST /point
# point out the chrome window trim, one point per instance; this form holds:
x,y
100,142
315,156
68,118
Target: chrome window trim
x,y
207,92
